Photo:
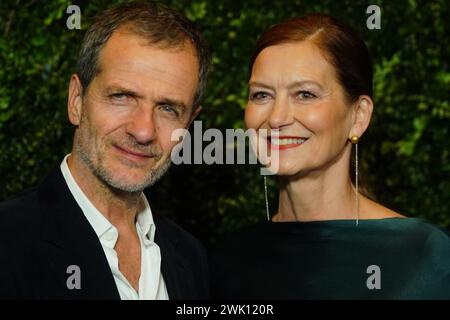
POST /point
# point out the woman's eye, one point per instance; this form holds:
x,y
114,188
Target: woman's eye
x,y
259,96
306,95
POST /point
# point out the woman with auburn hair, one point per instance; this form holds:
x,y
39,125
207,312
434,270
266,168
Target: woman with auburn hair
x,y
310,89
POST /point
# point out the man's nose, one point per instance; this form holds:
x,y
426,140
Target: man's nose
x,y
141,125
281,114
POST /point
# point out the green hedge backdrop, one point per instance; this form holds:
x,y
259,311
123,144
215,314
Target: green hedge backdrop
x,y
405,153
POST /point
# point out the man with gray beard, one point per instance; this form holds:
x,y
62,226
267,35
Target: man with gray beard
x,y
87,231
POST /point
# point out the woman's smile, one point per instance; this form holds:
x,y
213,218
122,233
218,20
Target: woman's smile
x,y
285,142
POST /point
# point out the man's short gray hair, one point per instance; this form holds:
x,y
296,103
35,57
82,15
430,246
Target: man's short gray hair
x,y
153,21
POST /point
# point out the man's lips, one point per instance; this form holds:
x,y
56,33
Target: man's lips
x,y
134,154
285,142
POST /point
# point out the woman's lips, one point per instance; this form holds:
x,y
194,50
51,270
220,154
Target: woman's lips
x,y
285,142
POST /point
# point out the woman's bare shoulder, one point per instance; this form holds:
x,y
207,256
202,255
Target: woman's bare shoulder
x,y
370,209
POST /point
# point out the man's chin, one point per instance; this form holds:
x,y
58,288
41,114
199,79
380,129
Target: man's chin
x,y
133,181
128,188
126,182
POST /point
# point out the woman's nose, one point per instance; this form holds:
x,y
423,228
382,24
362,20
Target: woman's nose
x,y
281,114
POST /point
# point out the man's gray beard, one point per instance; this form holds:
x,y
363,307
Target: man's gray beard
x,y
103,174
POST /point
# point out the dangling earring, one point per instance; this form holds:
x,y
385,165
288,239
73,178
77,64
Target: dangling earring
x,y
266,198
354,140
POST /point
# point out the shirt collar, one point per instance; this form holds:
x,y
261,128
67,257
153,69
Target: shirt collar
x,y
97,220
102,227
145,222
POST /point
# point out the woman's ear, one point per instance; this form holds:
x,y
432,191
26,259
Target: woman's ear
x,y
362,114
75,100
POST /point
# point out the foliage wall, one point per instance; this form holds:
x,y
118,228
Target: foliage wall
x,y
405,153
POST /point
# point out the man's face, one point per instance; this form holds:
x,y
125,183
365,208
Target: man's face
x,y
125,119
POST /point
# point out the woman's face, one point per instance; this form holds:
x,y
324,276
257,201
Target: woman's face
x,y
294,93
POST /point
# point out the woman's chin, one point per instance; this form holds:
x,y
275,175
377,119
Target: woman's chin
x,y
288,171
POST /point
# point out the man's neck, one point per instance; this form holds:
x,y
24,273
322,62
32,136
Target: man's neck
x,y
119,207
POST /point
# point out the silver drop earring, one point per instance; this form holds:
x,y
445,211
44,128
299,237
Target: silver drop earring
x,y
354,141
266,198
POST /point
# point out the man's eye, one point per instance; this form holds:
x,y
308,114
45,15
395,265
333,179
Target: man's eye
x,y
119,97
306,95
168,108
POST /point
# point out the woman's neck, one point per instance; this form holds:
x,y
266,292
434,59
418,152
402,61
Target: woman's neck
x,y
319,195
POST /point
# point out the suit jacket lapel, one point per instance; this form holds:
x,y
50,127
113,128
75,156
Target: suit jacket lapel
x,y
173,266
70,240
169,266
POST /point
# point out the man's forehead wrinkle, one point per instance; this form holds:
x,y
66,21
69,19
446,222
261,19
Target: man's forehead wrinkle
x,y
120,74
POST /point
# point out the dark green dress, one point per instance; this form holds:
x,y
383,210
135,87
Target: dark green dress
x,y
395,258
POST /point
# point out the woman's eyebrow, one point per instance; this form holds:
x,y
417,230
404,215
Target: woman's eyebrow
x,y
305,82
258,84
291,86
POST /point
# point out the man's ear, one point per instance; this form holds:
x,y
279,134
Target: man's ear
x,y
363,109
75,100
194,115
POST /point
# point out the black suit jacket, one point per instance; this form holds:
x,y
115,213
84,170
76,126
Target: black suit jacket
x,y
43,231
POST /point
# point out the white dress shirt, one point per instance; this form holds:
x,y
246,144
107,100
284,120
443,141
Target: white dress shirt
x,y
151,282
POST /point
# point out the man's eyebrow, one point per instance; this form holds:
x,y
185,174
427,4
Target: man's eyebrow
x,y
173,102
121,89
160,100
